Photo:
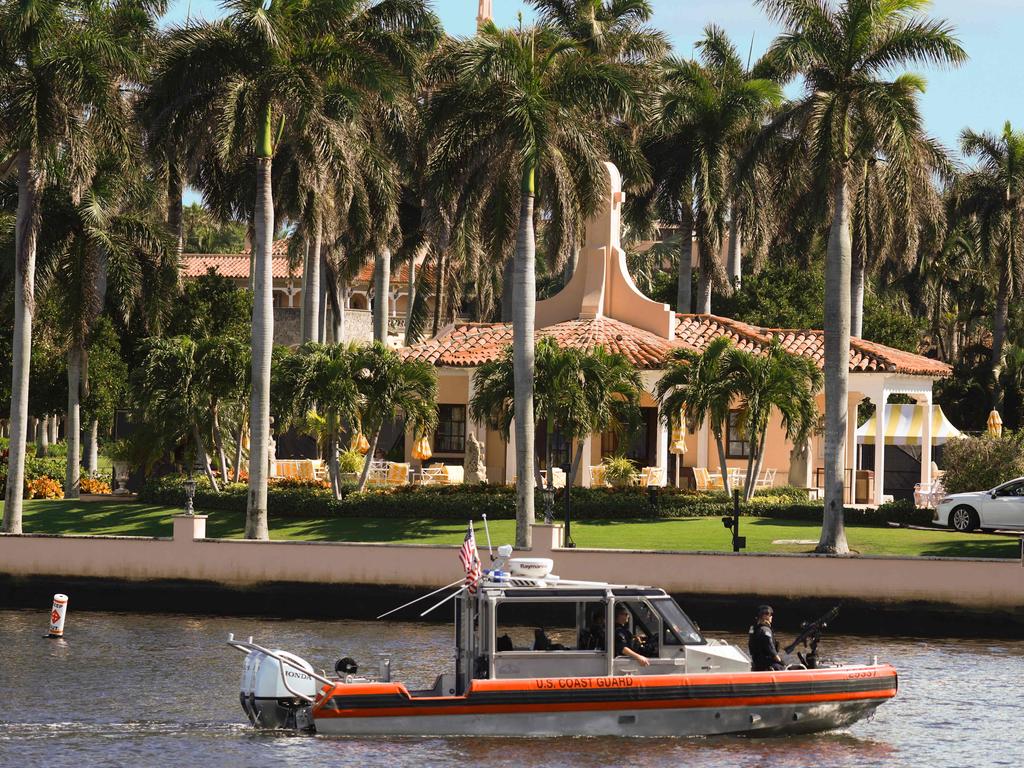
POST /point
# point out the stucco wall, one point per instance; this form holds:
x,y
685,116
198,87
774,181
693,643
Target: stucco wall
x,y
976,584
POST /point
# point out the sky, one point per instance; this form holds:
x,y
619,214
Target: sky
x,y
982,94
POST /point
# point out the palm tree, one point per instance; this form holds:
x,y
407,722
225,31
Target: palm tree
x,y
774,380
263,70
844,52
61,69
512,112
390,387
893,200
696,387
171,396
321,378
578,393
97,250
714,102
609,392
993,195
222,376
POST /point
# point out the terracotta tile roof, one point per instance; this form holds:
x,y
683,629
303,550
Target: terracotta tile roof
x,y
465,345
236,265
470,344
695,331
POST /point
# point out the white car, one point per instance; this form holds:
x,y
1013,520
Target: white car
x,y
1001,507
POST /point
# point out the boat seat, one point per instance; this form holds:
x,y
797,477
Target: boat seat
x,y
437,690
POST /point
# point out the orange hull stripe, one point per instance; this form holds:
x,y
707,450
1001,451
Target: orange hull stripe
x,y
729,703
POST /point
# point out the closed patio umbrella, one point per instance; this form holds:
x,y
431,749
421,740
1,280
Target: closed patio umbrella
x,y
995,424
421,449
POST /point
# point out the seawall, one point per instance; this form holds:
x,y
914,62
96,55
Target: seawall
x,y
190,573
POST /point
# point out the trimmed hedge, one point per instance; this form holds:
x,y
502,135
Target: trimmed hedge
x,y
53,467
462,502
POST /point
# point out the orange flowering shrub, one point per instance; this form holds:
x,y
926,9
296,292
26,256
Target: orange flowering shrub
x,y
93,485
295,482
44,488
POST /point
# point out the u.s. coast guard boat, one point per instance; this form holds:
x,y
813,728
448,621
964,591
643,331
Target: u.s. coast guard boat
x,y
512,679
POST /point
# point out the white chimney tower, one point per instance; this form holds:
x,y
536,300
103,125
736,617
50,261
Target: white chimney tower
x,y
484,13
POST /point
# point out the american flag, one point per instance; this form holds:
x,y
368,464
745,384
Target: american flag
x,y
470,559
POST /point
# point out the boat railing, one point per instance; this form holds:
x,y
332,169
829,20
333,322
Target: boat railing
x,y
247,646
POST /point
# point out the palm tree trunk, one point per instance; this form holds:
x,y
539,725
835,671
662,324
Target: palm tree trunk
x,y
704,293
332,453
999,323
684,285
722,465
204,457
175,220
411,301
311,284
364,476
92,448
322,316
524,317
755,464
218,441
54,424
238,446
574,468
382,289
837,368
440,249
262,345
735,261
42,439
508,281
857,270
72,470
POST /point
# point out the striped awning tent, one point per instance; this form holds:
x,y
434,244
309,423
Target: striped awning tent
x,y
904,424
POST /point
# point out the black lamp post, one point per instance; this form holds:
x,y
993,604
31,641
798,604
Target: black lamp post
x,y
190,494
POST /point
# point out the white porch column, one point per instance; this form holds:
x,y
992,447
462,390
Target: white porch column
x,y
510,452
588,456
879,489
926,440
661,452
702,444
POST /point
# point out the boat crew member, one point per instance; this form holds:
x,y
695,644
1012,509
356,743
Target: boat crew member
x,y
594,635
624,637
764,649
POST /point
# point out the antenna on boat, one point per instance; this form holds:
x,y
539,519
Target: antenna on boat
x,y
422,597
438,605
487,531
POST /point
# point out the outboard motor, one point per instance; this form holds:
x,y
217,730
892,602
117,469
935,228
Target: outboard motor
x,y
277,695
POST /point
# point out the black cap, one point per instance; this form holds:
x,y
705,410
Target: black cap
x,y
763,610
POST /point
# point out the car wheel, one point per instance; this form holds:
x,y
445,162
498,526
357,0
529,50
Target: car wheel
x,y
963,519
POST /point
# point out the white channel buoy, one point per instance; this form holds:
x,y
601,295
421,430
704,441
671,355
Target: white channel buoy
x,y
57,615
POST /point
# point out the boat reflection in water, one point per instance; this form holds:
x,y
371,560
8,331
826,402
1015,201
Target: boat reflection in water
x,y
508,680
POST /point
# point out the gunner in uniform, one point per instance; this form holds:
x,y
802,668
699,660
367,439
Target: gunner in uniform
x,y
764,649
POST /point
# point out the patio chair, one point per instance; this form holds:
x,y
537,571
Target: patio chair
x,y
706,481
434,474
398,474
922,494
767,479
558,477
597,476
454,475
650,476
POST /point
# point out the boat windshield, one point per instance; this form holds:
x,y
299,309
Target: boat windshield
x,y
679,630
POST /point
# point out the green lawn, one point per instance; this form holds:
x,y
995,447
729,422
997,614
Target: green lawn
x,y
706,534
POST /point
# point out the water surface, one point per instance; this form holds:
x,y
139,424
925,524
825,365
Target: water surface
x,y
143,690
